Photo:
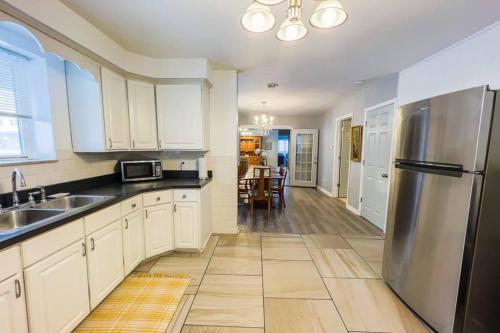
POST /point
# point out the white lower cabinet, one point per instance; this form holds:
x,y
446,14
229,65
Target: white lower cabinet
x,y
13,306
57,290
186,225
133,241
105,261
158,229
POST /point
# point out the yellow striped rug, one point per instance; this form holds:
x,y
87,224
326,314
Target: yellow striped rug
x,y
143,302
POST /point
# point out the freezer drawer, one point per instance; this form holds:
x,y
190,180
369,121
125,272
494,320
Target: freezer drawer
x,y
452,128
427,224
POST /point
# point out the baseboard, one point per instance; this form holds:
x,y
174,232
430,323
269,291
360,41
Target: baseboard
x,y
324,191
352,209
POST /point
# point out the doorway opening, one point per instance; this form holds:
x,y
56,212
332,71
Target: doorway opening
x,y
344,158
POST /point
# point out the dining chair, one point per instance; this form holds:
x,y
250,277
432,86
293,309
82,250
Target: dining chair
x,y
279,187
262,190
244,185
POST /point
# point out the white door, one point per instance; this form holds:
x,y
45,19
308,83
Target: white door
x,y
105,261
304,157
376,164
186,225
57,290
180,119
12,306
115,105
133,241
142,109
158,229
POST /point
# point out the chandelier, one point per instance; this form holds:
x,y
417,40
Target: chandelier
x,y
260,18
264,122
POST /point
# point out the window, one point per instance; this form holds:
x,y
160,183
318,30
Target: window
x,y
15,113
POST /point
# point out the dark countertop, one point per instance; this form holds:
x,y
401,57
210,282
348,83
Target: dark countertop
x,y
119,191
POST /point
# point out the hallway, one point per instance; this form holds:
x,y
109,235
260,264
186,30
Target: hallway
x,y
307,211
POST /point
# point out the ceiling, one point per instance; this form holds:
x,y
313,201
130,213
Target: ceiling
x,y
379,38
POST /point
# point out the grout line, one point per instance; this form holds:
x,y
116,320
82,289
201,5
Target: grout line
x,y
327,290
201,281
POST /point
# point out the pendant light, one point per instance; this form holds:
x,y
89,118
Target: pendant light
x,y
270,2
328,14
292,28
258,18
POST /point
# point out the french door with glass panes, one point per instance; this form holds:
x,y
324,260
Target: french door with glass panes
x,y
304,157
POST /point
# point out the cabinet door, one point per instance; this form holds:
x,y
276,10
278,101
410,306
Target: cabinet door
x,y
12,306
159,229
186,225
133,241
105,261
57,290
115,105
180,119
142,110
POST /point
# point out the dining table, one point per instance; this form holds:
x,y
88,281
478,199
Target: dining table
x,y
249,175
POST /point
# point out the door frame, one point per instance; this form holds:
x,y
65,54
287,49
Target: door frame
x,y
394,102
336,154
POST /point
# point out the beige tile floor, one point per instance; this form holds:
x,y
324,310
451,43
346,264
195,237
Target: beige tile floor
x,y
256,283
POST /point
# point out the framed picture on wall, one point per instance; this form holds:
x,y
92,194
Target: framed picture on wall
x,y
356,143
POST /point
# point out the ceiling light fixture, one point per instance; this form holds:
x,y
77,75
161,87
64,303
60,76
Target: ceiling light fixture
x,y
259,18
264,122
272,85
329,14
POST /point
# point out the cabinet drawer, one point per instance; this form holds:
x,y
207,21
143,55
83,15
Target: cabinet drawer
x,y
42,246
187,195
131,205
157,198
10,262
102,218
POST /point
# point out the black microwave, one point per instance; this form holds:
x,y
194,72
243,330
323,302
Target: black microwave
x,y
133,171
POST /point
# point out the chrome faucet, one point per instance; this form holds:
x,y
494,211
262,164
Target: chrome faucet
x,y
15,197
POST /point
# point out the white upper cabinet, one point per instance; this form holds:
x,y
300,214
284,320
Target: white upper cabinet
x,y
115,106
183,116
142,110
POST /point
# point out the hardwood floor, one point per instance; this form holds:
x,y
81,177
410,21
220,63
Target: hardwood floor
x,y
307,211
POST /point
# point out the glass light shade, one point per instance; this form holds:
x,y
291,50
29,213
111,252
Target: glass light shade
x,y
258,18
329,14
270,2
291,30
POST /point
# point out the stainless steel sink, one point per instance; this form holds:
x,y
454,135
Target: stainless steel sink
x,y
72,202
13,220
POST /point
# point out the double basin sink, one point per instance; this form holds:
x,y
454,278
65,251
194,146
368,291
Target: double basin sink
x,y
13,220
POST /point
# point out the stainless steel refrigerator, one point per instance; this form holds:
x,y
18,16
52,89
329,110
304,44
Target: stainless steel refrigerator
x,y
442,251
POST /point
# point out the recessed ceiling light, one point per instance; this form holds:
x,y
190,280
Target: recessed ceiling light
x,y
272,85
359,82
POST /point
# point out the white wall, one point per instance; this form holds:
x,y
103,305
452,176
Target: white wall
x,y
373,92
304,121
272,154
475,61
223,158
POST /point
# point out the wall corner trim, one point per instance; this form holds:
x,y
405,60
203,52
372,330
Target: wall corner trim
x,y
324,191
353,210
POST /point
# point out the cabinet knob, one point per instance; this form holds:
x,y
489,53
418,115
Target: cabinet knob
x,y
126,224
183,196
158,198
134,205
84,250
92,244
110,143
